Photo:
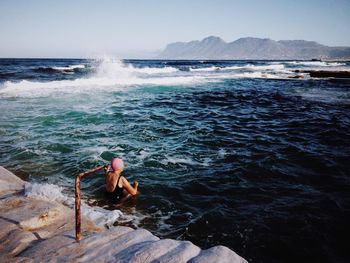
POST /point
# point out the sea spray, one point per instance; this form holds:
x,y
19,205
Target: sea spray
x,y
110,76
48,192
54,193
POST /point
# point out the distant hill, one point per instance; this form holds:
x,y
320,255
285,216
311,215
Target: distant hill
x,y
253,48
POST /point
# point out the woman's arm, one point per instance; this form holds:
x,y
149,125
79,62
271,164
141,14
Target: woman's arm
x,y
91,171
130,189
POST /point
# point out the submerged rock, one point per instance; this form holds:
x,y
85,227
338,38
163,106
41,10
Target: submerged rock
x,y
35,230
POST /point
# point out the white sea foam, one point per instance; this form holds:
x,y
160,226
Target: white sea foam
x,y
176,160
213,68
117,148
115,68
163,218
250,67
148,70
26,88
49,192
273,67
113,75
258,74
316,63
69,68
101,216
94,152
54,193
143,155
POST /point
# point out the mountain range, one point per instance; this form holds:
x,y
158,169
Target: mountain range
x,y
213,47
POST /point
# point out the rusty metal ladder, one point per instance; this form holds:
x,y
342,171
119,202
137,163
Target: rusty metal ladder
x,y
78,200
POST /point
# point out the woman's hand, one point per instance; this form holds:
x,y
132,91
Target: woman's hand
x,y
106,168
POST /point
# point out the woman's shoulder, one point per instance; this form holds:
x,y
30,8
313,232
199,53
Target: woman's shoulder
x,y
120,180
112,173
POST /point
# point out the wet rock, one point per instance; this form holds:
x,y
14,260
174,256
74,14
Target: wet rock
x,y
325,73
9,182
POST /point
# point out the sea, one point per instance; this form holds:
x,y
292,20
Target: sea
x,y
247,154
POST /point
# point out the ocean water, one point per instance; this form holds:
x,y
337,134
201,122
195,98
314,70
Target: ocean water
x,y
234,153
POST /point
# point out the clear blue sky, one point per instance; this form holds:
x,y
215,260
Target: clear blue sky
x,y
81,28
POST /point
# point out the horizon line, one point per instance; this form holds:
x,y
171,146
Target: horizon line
x,y
154,59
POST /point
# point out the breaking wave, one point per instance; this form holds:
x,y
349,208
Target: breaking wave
x,y
115,68
111,75
71,67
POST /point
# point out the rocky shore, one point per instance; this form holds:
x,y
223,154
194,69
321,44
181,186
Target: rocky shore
x,y
36,230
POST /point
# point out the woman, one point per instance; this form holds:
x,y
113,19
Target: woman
x,y
116,185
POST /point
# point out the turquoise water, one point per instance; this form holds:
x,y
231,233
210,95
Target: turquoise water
x,y
235,153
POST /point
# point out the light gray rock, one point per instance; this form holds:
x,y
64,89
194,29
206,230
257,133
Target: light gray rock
x,y
218,254
124,242
16,240
182,253
50,246
149,252
33,230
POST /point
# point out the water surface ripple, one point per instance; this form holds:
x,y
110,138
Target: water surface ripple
x,y
260,165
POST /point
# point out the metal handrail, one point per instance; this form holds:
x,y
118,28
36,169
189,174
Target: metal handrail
x,y
78,200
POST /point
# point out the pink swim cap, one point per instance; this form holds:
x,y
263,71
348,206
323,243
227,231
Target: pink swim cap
x,y
117,164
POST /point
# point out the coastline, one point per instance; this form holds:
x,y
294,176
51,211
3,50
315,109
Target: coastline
x,y
35,230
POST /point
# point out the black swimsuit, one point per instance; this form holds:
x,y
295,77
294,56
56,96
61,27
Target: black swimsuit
x,y
117,194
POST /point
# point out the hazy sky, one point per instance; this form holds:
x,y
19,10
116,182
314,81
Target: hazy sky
x,y
85,28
